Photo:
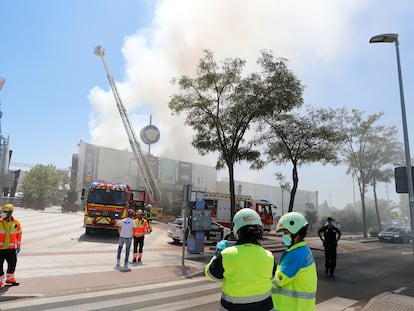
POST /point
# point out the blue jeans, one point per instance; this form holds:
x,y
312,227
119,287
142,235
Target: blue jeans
x,y
127,242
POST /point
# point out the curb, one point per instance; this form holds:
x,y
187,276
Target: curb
x,y
374,300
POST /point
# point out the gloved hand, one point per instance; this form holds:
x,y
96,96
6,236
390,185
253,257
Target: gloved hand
x,y
220,246
17,250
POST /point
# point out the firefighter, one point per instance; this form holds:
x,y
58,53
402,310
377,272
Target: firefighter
x,y
295,281
148,214
10,243
245,269
142,227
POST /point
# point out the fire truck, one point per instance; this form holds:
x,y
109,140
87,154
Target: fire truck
x,y
267,212
219,205
107,204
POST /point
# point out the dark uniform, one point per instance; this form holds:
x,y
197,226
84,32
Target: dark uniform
x,y
331,236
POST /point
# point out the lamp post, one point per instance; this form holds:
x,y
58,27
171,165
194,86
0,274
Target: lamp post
x,y
389,38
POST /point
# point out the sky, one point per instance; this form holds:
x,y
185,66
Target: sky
x,y
56,91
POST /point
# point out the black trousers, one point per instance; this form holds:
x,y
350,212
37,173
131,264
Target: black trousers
x,y
11,258
138,241
330,258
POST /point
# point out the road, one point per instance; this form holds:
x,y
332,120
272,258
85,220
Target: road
x,y
55,248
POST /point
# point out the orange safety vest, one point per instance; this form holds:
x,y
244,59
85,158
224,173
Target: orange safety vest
x,y
141,227
10,234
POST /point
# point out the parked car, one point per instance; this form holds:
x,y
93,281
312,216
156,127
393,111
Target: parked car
x,y
395,234
215,234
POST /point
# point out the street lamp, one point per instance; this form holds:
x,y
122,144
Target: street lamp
x,y
389,38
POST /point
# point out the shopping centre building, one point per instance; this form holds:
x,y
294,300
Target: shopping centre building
x,y
119,166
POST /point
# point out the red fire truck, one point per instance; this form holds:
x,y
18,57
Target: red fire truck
x,y
107,203
267,212
219,204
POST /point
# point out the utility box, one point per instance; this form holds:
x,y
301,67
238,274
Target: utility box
x,y
199,222
195,243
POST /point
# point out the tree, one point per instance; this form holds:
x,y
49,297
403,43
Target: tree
x,y
368,148
40,184
302,137
284,186
222,105
390,154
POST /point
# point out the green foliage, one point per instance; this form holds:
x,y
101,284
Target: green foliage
x,y
301,137
369,150
222,104
72,196
40,183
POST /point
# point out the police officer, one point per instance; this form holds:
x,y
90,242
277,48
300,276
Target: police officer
x,y
10,243
331,235
295,281
246,269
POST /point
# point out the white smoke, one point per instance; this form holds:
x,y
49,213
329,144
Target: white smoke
x,y
304,32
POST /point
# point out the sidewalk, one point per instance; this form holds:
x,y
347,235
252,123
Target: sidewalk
x,y
389,301
141,275
162,269
89,282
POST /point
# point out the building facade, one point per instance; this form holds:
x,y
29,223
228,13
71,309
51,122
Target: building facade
x,y
119,166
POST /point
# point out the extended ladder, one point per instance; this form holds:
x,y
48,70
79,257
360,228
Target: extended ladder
x,y
149,181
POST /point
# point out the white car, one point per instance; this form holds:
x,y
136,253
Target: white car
x,y
215,234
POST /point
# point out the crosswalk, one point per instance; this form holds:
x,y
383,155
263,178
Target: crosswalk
x,y
191,294
54,244
187,294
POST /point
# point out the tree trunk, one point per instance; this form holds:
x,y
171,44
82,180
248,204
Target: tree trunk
x,y
374,188
294,188
361,185
232,193
364,221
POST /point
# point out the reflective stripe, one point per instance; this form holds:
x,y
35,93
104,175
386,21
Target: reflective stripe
x,y
10,234
141,227
247,299
210,276
294,294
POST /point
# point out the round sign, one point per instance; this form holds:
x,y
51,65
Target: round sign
x,y
150,134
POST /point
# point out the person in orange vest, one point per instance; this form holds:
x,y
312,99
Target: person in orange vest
x,y
142,227
10,243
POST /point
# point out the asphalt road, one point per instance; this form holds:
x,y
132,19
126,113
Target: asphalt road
x,y
365,274
54,244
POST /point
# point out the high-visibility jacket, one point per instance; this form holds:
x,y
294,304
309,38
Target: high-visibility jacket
x,y
141,227
246,271
10,234
295,281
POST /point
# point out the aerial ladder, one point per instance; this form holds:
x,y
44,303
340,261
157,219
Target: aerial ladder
x,y
151,186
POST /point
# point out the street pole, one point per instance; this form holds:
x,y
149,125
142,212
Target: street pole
x,y
394,38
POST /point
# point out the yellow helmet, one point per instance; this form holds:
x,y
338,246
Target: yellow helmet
x,y
140,212
8,208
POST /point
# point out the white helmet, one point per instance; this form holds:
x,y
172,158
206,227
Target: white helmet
x,y
292,222
245,217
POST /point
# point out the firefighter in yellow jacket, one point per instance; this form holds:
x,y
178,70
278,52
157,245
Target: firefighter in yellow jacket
x,y
142,227
245,269
10,243
295,281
